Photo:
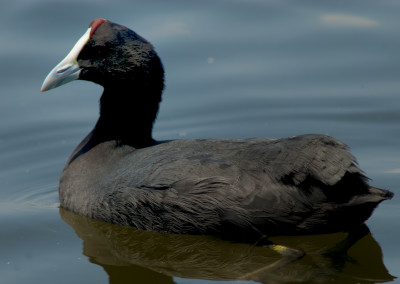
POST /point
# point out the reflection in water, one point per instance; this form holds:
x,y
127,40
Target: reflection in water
x,y
127,254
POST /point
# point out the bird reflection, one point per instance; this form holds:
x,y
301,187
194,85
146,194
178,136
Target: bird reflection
x,y
137,256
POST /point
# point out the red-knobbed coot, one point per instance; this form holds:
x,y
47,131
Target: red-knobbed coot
x,y
240,188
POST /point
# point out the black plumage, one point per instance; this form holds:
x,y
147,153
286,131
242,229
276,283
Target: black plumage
x,y
240,188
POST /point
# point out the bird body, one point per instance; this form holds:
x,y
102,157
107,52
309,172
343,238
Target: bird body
x,y
241,188
244,188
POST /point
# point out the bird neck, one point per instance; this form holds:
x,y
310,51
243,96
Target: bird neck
x,y
127,116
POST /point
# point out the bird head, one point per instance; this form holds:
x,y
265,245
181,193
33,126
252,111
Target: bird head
x,y
109,54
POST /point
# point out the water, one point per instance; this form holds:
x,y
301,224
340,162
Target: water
x,y
233,69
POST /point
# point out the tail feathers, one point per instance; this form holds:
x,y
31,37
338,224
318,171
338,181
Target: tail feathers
x,y
362,206
382,193
343,216
374,196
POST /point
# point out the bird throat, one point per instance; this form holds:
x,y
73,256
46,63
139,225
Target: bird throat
x,y
126,118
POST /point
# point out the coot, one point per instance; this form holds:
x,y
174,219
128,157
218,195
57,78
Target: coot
x,y
241,188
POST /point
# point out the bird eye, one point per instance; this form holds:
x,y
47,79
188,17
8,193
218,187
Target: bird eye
x,y
95,52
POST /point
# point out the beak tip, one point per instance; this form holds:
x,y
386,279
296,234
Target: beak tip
x,y
46,85
55,79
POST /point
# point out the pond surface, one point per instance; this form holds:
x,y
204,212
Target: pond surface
x,y
233,69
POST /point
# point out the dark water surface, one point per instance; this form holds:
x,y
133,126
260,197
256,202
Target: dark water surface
x,y
233,69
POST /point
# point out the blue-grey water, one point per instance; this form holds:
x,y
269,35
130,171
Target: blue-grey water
x,y
240,68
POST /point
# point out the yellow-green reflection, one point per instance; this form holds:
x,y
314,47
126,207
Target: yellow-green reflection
x,y
134,256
